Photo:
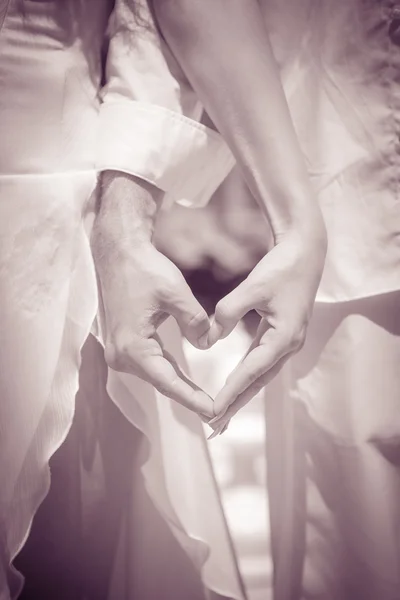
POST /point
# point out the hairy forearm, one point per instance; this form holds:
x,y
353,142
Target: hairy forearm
x,y
127,210
224,48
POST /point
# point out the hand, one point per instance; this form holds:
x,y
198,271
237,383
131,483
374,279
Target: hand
x,y
282,288
140,288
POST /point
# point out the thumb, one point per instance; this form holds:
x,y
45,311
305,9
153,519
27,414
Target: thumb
x,y
229,311
189,314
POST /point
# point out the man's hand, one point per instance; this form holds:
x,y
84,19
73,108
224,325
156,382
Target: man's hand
x,y
282,288
140,288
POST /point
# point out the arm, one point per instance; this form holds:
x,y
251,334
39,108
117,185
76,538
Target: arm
x,y
151,151
224,49
149,117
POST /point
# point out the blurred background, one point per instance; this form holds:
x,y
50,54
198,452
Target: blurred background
x,y
216,247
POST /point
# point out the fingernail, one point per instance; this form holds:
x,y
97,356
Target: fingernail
x,y
214,434
203,341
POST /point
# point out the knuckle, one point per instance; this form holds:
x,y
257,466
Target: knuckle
x,y
282,334
198,318
290,338
297,339
172,278
250,375
119,354
225,310
173,291
259,291
112,356
168,285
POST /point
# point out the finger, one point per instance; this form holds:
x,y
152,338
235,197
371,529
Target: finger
x,y
149,361
225,427
218,428
205,417
261,330
216,432
162,374
189,314
244,398
229,311
258,361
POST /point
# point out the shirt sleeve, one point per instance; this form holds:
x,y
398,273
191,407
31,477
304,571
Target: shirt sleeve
x,y
149,116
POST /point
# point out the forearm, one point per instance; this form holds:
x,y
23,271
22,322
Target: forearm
x,y
126,213
224,49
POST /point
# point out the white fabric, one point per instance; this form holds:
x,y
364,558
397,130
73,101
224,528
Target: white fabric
x,y
149,117
49,107
339,66
333,414
333,450
183,158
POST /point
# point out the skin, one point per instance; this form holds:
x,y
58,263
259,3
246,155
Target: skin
x,y
224,49
140,288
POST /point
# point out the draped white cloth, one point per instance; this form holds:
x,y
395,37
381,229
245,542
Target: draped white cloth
x,y
49,120
333,425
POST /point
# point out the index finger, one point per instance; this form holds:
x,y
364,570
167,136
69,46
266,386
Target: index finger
x,y
162,371
245,397
272,347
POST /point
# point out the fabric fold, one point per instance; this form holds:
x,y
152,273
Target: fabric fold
x,y
48,307
180,156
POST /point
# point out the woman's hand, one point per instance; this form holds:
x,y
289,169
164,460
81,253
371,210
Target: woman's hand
x,y
224,49
282,289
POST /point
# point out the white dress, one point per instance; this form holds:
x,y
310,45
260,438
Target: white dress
x,y
333,417
50,153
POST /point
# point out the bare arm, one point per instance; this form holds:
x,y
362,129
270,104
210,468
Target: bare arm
x,y
223,47
144,146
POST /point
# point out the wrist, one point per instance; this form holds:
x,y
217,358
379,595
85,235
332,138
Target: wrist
x,y
128,207
298,215
287,200
308,236
125,218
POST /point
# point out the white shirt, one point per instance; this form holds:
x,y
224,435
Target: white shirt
x,y
149,115
58,128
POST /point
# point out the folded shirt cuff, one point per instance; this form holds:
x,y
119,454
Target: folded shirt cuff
x,y
182,157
